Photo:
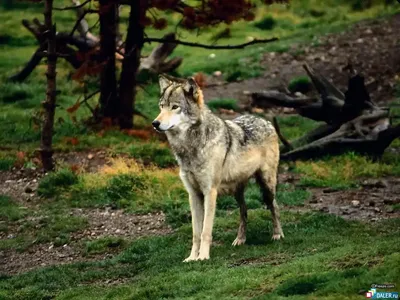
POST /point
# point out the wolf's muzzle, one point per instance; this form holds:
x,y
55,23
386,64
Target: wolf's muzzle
x,y
156,124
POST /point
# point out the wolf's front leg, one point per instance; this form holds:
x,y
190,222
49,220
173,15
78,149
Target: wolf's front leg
x,y
210,200
197,210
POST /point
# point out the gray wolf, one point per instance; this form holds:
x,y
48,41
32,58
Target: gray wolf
x,y
217,157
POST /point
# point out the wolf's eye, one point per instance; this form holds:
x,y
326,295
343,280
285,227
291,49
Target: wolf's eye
x,y
175,107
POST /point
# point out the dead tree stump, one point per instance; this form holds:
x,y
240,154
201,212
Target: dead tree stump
x,y
353,122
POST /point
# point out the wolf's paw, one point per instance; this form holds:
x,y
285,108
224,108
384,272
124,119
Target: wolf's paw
x,y
190,258
277,237
203,257
238,241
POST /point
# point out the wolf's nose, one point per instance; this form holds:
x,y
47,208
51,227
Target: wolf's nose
x,y
156,124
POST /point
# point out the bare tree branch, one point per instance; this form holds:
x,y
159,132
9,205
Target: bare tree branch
x,y
198,45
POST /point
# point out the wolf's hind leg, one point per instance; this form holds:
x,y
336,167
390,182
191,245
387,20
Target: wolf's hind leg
x,y
267,182
241,235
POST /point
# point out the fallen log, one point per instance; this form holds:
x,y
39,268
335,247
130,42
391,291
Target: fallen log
x,y
353,122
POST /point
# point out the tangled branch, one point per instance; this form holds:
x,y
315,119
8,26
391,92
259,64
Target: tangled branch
x,y
205,46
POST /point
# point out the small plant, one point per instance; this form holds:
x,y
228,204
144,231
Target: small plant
x,y
60,179
123,186
177,214
267,23
214,105
10,211
300,84
6,163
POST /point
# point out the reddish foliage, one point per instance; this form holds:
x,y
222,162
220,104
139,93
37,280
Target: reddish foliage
x,y
250,16
101,133
160,24
107,122
21,155
21,158
200,79
71,140
74,168
37,161
145,21
74,107
88,68
189,12
139,133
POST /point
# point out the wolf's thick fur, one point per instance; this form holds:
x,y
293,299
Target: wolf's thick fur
x,y
215,157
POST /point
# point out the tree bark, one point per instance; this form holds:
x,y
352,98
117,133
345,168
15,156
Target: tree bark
x,y
130,64
108,80
49,106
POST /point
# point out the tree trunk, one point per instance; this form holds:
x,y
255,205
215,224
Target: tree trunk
x,y
131,63
46,150
108,80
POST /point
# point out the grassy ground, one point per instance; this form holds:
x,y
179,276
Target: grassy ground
x,y
322,257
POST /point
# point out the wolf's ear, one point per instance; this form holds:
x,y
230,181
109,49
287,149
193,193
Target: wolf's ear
x,y
190,86
164,82
193,90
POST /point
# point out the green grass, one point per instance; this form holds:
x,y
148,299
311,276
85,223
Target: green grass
x,y
60,179
152,153
322,257
344,171
10,211
103,245
300,84
290,196
53,227
287,195
215,104
295,126
6,163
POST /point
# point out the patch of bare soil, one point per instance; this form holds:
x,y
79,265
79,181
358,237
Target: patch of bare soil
x,y
372,47
372,202
21,185
102,223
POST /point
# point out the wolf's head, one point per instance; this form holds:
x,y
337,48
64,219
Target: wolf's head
x,y
181,104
